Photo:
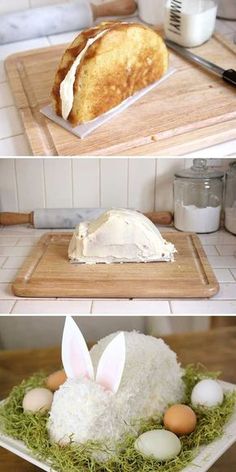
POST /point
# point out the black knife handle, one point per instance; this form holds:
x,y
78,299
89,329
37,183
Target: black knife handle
x,y
230,76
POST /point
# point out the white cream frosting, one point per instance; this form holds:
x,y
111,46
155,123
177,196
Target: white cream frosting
x,y
67,85
119,235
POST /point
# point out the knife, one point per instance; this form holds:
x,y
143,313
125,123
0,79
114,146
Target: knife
x,y
68,218
228,75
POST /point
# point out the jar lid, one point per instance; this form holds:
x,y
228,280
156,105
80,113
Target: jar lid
x,y
200,170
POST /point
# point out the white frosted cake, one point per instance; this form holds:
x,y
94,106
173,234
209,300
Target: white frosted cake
x,y
119,235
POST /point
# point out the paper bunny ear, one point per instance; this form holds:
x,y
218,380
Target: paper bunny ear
x,y
75,354
111,365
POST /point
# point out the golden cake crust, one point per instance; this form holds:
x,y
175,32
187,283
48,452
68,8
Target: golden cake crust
x,y
127,58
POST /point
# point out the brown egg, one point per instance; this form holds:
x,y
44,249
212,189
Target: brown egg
x,y
180,419
55,380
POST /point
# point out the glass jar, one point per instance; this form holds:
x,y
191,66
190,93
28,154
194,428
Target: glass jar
x,y
198,198
151,11
189,22
230,199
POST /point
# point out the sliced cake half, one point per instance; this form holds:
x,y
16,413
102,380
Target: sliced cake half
x,y
104,66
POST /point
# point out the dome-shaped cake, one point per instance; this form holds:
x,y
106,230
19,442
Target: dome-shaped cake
x,y
105,65
119,235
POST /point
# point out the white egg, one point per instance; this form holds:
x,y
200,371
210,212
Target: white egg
x,y
37,400
159,444
207,393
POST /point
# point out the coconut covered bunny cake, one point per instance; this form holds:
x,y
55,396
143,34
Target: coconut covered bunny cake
x,y
104,66
126,377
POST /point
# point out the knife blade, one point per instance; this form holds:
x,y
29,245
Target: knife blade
x,y
228,75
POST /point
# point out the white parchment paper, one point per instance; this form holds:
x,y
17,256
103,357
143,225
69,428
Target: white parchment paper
x,y
85,129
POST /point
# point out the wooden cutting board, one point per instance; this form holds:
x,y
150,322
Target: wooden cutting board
x,y
191,110
48,273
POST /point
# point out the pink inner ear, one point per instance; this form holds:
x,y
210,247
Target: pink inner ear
x,y
78,361
75,354
111,365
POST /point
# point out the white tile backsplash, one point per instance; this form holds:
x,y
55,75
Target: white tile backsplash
x,y
84,194
114,182
141,189
145,184
58,183
166,169
8,192
30,181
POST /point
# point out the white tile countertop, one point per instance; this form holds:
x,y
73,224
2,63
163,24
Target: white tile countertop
x,y
16,243
12,138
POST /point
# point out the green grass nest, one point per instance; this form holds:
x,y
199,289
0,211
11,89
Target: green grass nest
x,y
31,429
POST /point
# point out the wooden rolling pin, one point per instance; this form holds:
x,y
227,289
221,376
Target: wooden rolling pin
x,y
60,18
68,218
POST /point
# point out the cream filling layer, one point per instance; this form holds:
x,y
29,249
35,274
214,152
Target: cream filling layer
x,y
119,236
67,85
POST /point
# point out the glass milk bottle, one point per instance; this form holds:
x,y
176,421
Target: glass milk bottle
x,y
230,199
189,22
198,198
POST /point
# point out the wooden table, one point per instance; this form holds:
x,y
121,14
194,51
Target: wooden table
x,y
216,349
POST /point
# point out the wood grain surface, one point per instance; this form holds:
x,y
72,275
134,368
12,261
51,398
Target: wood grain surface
x,y
215,349
48,273
191,110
